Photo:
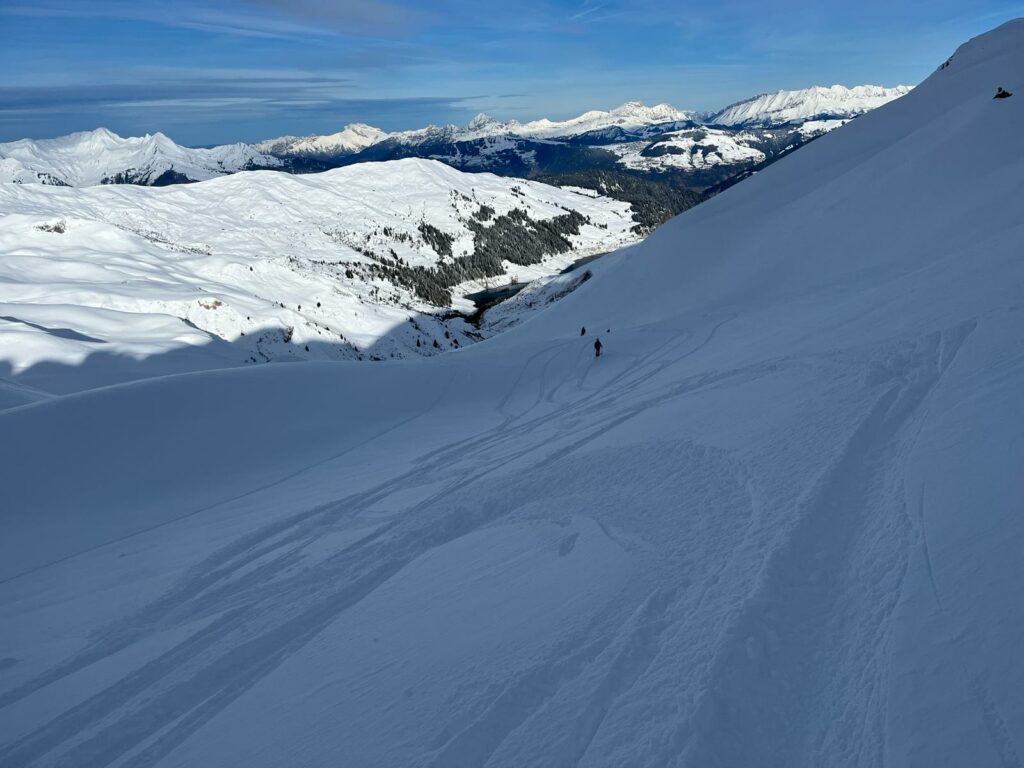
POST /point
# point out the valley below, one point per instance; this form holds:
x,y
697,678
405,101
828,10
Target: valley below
x,y
366,263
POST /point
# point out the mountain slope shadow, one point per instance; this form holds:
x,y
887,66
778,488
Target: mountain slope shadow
x,y
436,333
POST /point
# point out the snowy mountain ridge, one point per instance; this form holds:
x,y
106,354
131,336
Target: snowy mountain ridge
x,y
484,144
102,157
351,139
773,109
631,116
816,103
354,137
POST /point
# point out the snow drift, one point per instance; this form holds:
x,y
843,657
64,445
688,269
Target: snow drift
x,y
777,524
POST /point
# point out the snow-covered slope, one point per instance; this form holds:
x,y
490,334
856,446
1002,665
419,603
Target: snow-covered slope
x,y
777,523
693,150
351,139
817,103
118,282
102,157
631,116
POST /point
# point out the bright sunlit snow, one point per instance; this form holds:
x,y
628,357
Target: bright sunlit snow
x,y
784,107
102,157
777,523
107,283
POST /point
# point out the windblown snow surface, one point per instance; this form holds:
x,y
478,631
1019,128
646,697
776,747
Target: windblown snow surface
x,y
778,523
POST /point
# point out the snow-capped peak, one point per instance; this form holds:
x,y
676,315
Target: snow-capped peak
x,y
101,156
632,115
783,107
481,121
659,113
353,138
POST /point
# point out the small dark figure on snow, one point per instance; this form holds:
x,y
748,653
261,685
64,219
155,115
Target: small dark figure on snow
x,y
597,347
583,331
1001,94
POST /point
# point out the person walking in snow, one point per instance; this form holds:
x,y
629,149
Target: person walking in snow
x,y
597,347
583,331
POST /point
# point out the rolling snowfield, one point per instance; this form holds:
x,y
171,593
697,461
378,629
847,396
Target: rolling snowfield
x,y
777,523
104,284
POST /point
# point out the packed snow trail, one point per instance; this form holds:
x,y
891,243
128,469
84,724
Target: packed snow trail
x,y
776,524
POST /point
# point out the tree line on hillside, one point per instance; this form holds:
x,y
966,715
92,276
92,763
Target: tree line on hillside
x,y
514,237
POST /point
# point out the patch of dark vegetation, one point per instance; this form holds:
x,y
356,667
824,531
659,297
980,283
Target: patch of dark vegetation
x,y
518,157
654,201
132,176
51,180
59,227
299,165
124,177
440,241
485,213
512,237
169,177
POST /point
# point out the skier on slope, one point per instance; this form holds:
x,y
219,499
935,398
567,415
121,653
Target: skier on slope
x,y
597,347
583,331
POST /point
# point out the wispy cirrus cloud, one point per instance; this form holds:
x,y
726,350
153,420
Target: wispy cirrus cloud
x,y
243,104
239,69
251,18
370,14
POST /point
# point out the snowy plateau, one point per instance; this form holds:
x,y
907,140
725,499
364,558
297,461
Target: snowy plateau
x,y
778,523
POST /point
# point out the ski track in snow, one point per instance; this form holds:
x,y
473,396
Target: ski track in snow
x,y
256,602
776,524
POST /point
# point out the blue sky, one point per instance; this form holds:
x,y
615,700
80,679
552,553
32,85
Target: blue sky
x,y
242,70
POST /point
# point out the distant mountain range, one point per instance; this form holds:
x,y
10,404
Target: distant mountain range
x,y
632,137
102,157
659,159
351,139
